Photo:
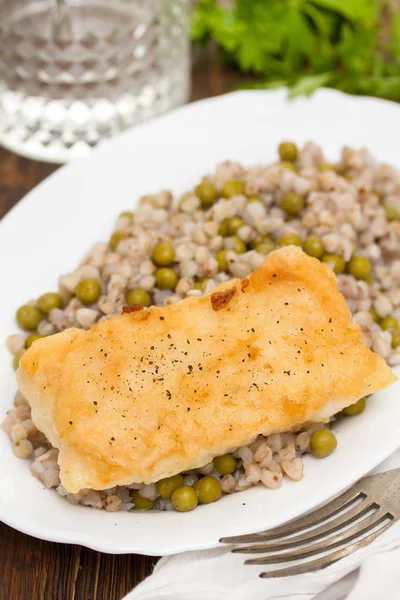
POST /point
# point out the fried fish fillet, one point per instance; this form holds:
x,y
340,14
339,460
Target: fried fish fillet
x,y
146,395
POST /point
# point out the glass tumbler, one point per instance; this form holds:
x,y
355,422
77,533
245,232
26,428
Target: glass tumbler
x,y
76,72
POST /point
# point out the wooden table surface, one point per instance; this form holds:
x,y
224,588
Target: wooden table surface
x,y
32,569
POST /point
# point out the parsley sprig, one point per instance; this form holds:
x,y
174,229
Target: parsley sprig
x,y
352,45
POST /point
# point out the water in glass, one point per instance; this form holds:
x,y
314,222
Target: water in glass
x,y
76,72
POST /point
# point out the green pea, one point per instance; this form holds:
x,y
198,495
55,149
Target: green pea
x,y
356,408
225,464
206,193
169,485
255,198
208,489
326,166
222,261
234,224
31,338
392,213
313,246
126,214
359,267
17,358
184,498
237,245
115,239
138,296
290,239
163,254
288,165
88,291
166,279
223,228
396,339
389,323
292,203
233,187
374,314
287,151
322,443
265,247
46,302
141,503
335,262
348,177
28,317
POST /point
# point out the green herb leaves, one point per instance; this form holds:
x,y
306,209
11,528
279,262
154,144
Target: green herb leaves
x,y
307,44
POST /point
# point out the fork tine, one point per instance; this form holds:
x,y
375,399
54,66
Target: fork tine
x,y
325,561
327,544
329,510
314,534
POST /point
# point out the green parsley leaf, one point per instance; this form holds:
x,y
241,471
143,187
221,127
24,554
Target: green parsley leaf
x,y
306,44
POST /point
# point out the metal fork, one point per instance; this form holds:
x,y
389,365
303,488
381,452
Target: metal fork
x,y
352,520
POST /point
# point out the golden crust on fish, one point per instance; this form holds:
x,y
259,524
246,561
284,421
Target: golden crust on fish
x,y
148,394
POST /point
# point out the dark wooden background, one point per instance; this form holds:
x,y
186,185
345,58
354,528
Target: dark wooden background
x,y
31,569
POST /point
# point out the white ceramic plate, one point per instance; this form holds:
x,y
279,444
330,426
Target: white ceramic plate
x,y
48,232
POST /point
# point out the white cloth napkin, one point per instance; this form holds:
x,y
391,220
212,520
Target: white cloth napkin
x,y
370,574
